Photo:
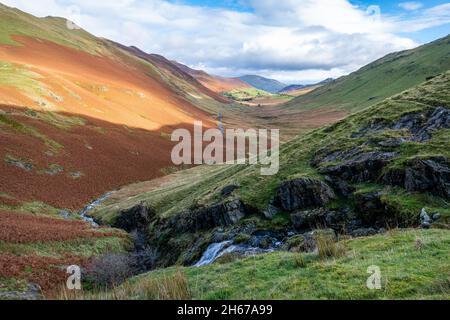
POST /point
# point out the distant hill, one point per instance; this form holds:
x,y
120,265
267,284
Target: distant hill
x,y
214,83
296,90
381,79
269,85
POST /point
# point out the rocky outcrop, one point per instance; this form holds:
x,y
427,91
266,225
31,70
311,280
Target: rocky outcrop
x,y
302,194
201,219
363,167
420,125
341,221
134,219
422,175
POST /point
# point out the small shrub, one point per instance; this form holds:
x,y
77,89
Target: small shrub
x,y
328,247
169,287
299,261
109,270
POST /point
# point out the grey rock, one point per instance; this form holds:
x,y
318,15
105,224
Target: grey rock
x,y
436,217
425,225
302,194
363,232
65,214
422,175
363,167
228,190
270,212
34,292
136,218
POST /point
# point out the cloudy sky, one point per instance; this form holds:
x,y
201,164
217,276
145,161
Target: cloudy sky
x,y
295,41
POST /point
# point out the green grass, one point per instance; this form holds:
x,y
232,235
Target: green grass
x,y
16,22
381,79
407,272
202,185
85,248
247,94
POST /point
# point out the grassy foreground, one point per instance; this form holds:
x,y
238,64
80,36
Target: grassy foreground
x,y
413,265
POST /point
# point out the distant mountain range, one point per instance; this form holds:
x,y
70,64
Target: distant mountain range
x,y
269,85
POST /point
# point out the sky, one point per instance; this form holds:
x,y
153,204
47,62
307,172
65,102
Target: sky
x,y
293,41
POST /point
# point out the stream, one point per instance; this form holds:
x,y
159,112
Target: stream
x,y
217,250
84,214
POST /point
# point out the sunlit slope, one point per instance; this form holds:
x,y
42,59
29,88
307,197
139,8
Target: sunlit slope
x,y
381,79
47,66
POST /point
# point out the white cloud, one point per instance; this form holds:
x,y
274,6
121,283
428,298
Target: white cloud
x,y
411,5
292,40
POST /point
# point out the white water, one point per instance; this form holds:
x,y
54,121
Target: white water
x,y
216,250
90,207
212,253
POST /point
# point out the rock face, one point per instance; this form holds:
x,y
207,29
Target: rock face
x,y
222,214
134,219
302,194
420,125
362,167
423,175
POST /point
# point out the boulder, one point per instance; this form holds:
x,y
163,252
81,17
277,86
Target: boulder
x,y
302,194
210,217
422,175
309,219
342,187
228,190
363,232
364,167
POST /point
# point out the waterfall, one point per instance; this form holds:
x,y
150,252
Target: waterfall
x,y
212,253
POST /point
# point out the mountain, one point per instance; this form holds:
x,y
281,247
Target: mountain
x,y
75,107
293,88
387,165
215,83
269,85
381,79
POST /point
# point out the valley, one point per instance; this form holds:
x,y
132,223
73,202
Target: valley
x,y
87,177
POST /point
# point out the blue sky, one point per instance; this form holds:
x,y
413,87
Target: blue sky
x,y
295,41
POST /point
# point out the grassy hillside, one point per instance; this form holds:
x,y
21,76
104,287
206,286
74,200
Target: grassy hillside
x,y
407,272
16,22
381,79
202,185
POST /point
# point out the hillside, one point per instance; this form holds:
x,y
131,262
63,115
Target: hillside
x,y
74,108
215,83
379,80
382,168
258,82
300,89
